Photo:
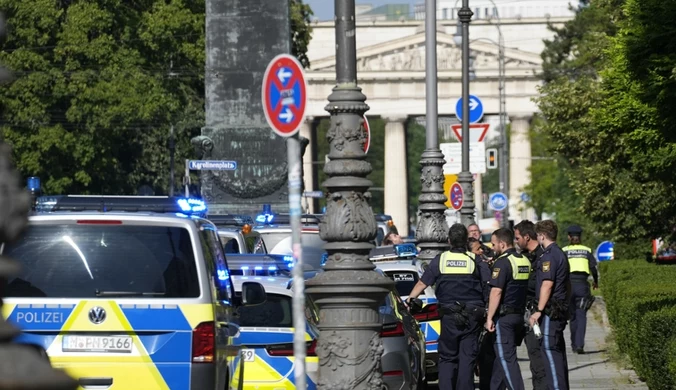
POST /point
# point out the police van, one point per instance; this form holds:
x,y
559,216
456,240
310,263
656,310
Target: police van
x,y
128,292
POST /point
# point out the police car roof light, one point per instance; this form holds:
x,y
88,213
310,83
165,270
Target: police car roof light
x,y
33,183
107,203
266,216
406,250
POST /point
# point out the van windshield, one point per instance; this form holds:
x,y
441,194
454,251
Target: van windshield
x,y
92,260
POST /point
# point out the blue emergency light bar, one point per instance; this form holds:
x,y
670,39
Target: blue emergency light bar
x,y
259,264
106,203
266,216
394,252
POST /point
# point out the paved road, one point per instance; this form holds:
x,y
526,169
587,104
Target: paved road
x,y
592,370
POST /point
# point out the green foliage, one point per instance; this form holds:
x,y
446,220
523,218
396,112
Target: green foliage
x,y
641,302
613,134
301,30
98,85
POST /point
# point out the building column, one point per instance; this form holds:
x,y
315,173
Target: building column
x,y
307,130
396,184
519,163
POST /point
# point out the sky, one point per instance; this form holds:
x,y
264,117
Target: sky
x,y
323,9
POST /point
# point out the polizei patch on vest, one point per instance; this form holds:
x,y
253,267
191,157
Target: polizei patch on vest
x,y
496,273
524,269
456,263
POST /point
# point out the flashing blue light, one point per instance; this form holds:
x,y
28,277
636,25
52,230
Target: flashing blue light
x,y
190,205
406,250
325,258
288,258
33,183
244,268
258,268
272,268
266,216
223,274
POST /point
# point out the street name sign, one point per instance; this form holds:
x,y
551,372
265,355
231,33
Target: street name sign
x,y
284,95
212,165
313,194
476,109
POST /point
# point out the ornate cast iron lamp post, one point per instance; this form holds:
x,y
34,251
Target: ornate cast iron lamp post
x,y
349,292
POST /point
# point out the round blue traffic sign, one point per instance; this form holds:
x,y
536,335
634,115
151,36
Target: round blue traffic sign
x,y
498,201
476,109
284,95
456,196
605,251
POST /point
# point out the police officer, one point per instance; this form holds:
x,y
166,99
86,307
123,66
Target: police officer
x,y
526,239
582,264
459,292
506,306
551,293
486,356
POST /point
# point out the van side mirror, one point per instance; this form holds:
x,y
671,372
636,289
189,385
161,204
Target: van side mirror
x,y
253,294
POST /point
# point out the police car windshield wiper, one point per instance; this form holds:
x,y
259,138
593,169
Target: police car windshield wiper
x,y
100,293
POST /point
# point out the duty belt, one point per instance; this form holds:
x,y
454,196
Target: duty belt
x,y
507,310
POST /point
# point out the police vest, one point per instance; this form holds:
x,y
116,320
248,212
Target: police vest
x,y
459,280
516,289
578,258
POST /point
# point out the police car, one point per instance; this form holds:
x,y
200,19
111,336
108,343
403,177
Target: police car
x,y
127,292
267,331
400,263
237,235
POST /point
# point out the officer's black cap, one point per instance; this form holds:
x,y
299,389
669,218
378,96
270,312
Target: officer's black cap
x,y
574,230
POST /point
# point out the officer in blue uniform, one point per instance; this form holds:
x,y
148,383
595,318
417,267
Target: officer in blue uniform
x,y
582,264
506,306
486,356
459,292
552,293
526,239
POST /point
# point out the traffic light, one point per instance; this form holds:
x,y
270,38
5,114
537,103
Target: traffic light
x,y
491,158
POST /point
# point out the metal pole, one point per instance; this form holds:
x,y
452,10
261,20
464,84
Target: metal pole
x,y
299,322
465,177
349,292
172,150
432,231
504,153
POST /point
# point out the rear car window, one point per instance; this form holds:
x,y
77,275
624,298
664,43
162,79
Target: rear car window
x,y
274,313
88,261
404,281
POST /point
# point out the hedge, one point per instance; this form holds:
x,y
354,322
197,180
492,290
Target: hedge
x,y
641,302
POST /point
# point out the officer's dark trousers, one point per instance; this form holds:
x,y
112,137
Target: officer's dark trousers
x,y
486,359
578,317
458,348
506,369
537,362
553,346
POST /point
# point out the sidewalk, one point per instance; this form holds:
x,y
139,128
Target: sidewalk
x,y
593,370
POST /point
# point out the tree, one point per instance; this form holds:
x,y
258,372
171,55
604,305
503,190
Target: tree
x,y
301,30
98,86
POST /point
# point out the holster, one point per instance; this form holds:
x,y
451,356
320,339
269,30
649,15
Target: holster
x,y
587,302
458,312
557,310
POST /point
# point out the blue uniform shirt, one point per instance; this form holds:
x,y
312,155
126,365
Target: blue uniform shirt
x,y
553,265
463,288
502,278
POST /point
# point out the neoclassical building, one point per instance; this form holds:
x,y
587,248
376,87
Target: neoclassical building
x,y
391,73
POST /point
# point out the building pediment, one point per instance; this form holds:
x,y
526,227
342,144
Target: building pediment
x,y
408,53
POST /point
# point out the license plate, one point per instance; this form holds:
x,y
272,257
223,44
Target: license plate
x,y
249,355
404,278
97,344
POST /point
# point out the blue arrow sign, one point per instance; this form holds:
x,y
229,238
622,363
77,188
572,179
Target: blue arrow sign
x,y
498,201
476,109
212,165
605,251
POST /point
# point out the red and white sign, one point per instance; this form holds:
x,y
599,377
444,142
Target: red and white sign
x,y
477,131
367,129
456,196
284,95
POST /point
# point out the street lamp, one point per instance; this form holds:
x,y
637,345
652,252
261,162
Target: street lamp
x,y
504,152
465,177
432,231
349,292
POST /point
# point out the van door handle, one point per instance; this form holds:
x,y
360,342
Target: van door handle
x,y
96,383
